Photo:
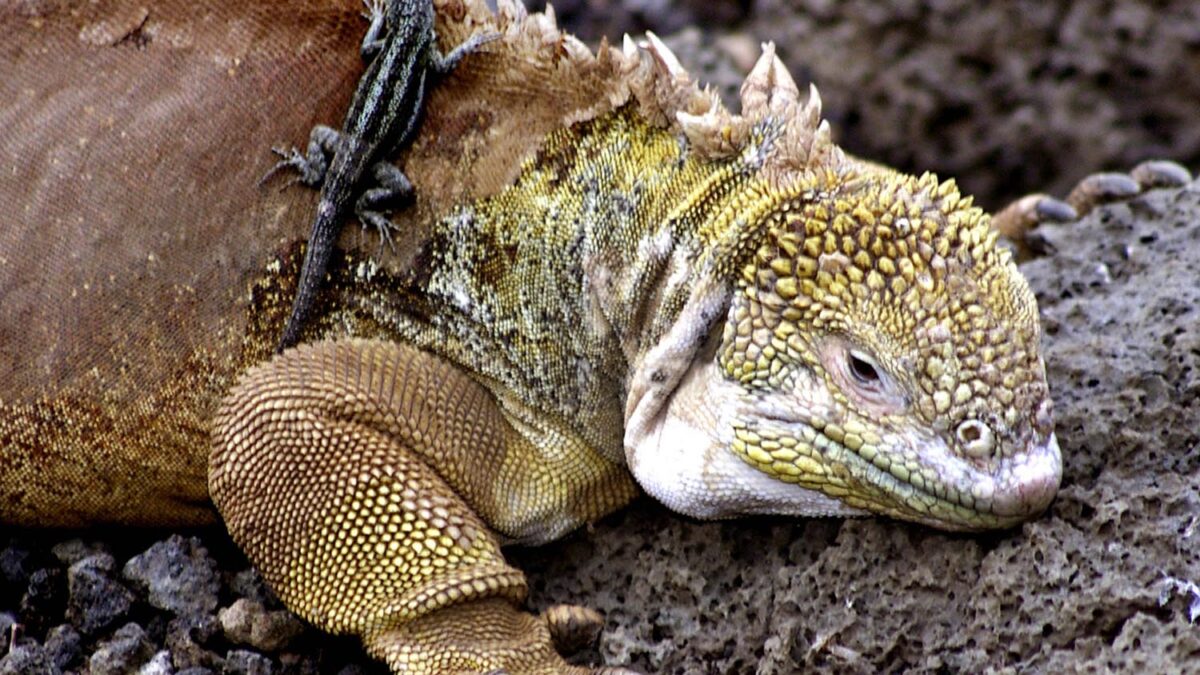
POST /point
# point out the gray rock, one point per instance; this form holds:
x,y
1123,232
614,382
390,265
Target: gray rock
x,y
178,576
29,659
45,599
96,600
72,551
7,620
245,662
14,566
159,664
187,637
248,622
124,654
63,645
248,583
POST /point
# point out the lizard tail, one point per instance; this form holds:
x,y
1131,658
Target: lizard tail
x,y
316,260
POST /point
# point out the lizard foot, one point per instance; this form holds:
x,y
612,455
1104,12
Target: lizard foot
x,y
394,189
374,10
310,166
1017,220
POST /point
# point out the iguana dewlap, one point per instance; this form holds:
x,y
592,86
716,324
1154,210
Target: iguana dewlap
x,y
611,282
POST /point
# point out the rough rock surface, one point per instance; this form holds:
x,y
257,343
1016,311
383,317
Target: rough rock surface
x,y
1106,581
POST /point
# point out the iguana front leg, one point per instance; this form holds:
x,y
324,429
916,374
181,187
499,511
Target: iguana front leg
x,y
350,473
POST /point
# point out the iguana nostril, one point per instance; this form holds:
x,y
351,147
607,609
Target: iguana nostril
x,y
976,438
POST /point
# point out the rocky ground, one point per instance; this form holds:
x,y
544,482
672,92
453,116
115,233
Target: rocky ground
x,y
1107,580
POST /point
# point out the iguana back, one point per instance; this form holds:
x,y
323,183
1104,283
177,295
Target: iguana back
x,y
135,228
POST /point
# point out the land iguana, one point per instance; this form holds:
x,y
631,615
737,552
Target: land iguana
x,y
612,284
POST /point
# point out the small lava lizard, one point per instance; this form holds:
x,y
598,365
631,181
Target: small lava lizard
x,y
383,117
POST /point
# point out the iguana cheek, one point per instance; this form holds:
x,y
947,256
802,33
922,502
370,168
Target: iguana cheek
x,y
685,458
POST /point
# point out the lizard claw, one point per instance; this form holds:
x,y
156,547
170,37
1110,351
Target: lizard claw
x,y
374,9
292,159
382,225
572,627
1157,173
1100,188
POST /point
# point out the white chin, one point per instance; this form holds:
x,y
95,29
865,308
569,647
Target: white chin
x,y
683,459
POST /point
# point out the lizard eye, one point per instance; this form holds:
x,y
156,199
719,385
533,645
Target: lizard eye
x,y
862,368
859,374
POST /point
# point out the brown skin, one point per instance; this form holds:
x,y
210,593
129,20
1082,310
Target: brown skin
x,y
134,227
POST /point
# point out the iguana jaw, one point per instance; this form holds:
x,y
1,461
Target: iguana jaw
x,y
715,451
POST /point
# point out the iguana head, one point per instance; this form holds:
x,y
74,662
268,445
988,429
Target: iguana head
x,y
879,352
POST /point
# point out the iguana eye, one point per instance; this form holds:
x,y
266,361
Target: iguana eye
x,y
860,376
862,368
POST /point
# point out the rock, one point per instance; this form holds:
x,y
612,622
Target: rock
x,y
45,599
244,662
178,576
63,645
187,637
15,569
124,653
72,551
248,583
248,622
7,621
159,664
96,600
30,659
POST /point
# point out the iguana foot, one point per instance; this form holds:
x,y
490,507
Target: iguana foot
x,y
1018,219
573,627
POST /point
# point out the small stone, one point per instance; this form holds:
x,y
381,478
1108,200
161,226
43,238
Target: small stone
x,y
186,638
194,671
15,566
7,621
159,664
96,601
249,584
45,599
72,551
62,644
124,653
28,659
245,662
248,622
178,575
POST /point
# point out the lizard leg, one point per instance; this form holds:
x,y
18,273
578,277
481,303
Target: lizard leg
x,y
332,467
323,142
372,42
441,65
394,188
1016,220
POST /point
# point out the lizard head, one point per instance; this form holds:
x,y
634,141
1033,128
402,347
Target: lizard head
x,y
880,353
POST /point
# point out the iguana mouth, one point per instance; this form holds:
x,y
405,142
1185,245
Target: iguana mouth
x,y
914,478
